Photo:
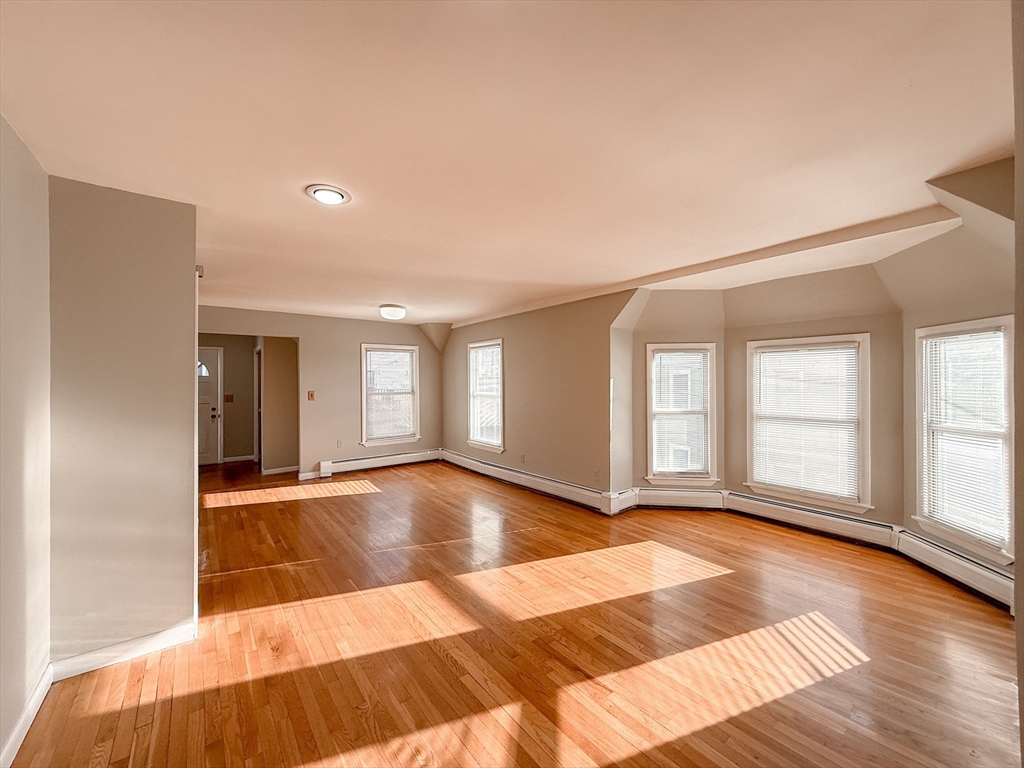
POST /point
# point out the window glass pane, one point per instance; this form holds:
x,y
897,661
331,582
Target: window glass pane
x,y
388,415
485,395
390,405
965,462
807,456
680,380
806,431
388,371
967,381
808,383
680,442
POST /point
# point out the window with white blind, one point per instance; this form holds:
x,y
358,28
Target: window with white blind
x,y
391,408
808,420
681,414
965,434
486,414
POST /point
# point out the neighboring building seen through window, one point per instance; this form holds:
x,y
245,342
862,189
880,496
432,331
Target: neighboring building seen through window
x,y
486,415
965,440
807,432
390,393
680,412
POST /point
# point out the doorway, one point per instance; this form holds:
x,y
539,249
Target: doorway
x,y
210,370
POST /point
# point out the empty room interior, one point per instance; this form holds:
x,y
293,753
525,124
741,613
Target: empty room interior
x,y
498,383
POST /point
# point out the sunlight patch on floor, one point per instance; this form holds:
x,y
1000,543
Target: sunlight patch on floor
x,y
643,707
350,625
287,493
541,587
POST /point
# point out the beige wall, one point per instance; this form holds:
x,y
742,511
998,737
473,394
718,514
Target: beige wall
x,y
238,415
557,364
24,427
123,347
848,292
621,364
280,403
329,364
676,317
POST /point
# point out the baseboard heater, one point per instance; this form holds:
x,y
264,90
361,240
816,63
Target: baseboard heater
x,y
328,468
577,494
871,531
958,566
966,570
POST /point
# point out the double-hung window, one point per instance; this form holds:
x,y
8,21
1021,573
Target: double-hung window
x,y
681,413
390,390
965,434
807,433
486,413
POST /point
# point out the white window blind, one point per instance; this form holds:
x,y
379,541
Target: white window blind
x,y
485,394
806,415
966,455
679,413
390,397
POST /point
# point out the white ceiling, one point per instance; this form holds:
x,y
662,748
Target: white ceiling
x,y
504,154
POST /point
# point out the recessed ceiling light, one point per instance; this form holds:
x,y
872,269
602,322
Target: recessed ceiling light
x,y
392,312
328,195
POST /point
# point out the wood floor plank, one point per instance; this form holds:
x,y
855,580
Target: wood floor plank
x,y
424,615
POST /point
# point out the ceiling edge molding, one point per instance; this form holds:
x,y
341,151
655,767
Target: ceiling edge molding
x,y
922,217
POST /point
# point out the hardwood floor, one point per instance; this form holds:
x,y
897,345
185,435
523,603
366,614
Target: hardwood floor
x,y
429,616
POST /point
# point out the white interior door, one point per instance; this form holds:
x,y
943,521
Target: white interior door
x,y
211,421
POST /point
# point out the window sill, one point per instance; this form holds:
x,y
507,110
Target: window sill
x,y
486,447
963,539
682,481
808,498
390,441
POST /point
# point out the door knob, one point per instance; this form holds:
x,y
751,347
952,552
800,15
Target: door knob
x,y
213,415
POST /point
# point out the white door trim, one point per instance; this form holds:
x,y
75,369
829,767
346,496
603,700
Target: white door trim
x,y
220,401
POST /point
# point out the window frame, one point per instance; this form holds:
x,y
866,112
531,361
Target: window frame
x,y
499,343
1002,555
684,479
863,343
368,347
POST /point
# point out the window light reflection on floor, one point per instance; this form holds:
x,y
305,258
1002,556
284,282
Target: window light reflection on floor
x,y
688,691
552,585
287,493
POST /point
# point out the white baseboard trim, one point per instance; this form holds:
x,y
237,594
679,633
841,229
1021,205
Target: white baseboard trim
x,y
979,577
679,497
24,721
279,470
328,468
250,457
129,649
577,494
618,501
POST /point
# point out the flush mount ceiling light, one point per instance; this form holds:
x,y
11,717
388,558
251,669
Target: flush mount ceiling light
x,y
392,311
328,195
